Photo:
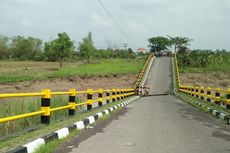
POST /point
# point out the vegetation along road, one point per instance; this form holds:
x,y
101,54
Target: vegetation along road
x,y
158,123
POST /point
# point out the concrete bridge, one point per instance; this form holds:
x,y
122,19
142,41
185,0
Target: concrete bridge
x,y
159,123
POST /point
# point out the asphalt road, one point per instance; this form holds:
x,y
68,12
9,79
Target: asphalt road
x,y
158,123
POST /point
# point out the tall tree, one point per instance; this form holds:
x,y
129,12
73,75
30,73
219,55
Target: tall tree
x,y
158,43
62,46
179,42
87,48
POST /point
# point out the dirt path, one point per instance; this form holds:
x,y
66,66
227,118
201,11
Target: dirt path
x,y
64,84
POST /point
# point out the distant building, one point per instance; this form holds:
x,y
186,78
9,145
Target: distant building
x,y
142,50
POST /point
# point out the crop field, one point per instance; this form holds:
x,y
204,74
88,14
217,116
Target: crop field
x,y
18,71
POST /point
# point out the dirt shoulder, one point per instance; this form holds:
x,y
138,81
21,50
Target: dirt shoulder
x,y
211,79
79,83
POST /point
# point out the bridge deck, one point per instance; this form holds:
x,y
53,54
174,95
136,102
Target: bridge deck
x,y
158,123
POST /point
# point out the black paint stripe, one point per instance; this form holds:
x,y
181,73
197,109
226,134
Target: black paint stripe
x,y
86,122
20,149
45,102
72,127
96,117
50,137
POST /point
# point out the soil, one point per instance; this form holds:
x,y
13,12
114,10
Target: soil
x,y
79,83
213,79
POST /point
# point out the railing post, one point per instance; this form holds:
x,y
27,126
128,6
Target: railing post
x,y
45,106
100,97
122,93
72,102
118,94
217,96
89,99
197,92
202,93
189,90
107,96
192,91
113,95
129,93
209,94
136,90
228,99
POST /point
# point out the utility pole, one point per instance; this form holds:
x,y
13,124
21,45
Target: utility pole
x,y
125,45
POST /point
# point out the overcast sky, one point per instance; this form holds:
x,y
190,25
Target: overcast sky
x,y
205,21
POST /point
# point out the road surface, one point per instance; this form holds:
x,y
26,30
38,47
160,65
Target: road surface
x,y
158,123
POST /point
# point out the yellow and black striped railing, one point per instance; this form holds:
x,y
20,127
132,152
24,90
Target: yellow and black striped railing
x,y
142,73
46,95
216,95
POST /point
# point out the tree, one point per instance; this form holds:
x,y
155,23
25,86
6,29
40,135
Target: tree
x,y
158,43
61,47
25,48
130,50
87,48
179,42
49,52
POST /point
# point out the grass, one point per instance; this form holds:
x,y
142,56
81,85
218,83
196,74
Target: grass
x,y
17,106
19,71
50,146
211,68
25,136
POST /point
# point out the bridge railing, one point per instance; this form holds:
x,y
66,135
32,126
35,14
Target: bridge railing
x,y
142,73
108,95
209,94
103,95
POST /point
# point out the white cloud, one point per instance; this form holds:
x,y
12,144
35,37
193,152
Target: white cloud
x,y
206,21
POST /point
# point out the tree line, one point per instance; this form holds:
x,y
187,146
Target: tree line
x,y
203,58
187,57
59,49
160,43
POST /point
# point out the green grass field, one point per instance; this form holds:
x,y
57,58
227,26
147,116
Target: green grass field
x,y
12,72
18,71
224,67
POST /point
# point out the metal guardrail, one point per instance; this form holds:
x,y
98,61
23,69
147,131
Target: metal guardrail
x,y
217,95
46,95
142,73
110,95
